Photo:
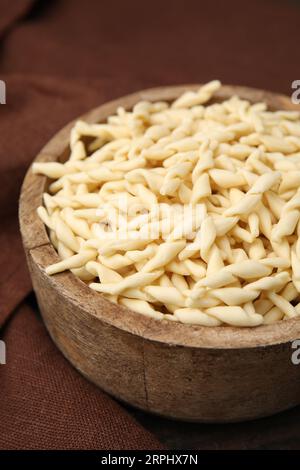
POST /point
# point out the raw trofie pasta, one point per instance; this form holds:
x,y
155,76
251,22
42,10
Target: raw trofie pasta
x,y
186,211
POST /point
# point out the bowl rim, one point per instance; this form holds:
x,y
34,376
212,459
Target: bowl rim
x,y
39,248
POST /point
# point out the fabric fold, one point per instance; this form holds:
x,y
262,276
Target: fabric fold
x,y
12,11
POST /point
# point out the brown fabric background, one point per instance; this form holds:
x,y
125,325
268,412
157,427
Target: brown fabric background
x,y
59,58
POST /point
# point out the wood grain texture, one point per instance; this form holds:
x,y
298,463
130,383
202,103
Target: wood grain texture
x,y
193,373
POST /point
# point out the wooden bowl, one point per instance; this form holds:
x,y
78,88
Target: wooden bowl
x,y
194,373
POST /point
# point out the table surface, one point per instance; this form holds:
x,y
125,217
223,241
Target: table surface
x,y
281,431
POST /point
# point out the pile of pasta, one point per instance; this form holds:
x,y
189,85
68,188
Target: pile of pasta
x,y
186,211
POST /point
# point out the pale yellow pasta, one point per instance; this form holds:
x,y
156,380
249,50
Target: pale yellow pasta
x,y
272,283
46,218
63,251
277,144
249,308
79,226
202,302
246,205
195,316
51,169
165,253
177,268
249,269
289,180
218,279
282,304
186,211
273,316
234,295
179,282
166,295
142,307
256,249
262,306
191,98
289,292
195,269
265,182
235,316
116,261
295,265
215,261
224,224
201,188
242,235
129,282
253,222
64,233
137,294
226,179
104,273
286,225
208,236
75,261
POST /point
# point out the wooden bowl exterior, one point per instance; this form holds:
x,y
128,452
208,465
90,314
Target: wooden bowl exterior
x,y
194,373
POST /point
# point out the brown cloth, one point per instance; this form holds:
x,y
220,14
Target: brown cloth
x,y
58,60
